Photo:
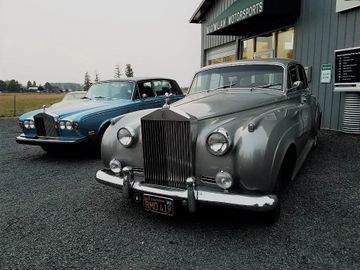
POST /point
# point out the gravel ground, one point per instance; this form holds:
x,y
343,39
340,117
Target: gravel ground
x,y
54,215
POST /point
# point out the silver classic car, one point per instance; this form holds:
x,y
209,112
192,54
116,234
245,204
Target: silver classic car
x,y
243,129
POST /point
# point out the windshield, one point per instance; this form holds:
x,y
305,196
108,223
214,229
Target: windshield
x,y
242,76
111,90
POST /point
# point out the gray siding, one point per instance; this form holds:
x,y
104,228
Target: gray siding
x,y
214,41
318,33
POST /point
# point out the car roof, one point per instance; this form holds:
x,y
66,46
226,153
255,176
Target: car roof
x,y
270,61
136,79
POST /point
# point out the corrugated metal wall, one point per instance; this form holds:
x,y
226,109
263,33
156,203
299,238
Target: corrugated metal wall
x,y
318,33
214,41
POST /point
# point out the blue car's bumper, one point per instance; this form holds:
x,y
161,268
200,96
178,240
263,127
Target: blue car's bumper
x,y
22,139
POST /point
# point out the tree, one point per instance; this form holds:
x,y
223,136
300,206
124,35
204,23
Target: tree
x,y
97,77
117,72
129,71
87,81
14,86
34,83
28,85
2,86
48,87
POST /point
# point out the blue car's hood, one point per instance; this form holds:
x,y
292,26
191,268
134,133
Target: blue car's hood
x,y
68,108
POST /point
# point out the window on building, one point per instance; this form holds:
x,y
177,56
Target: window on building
x,y
247,49
285,45
221,54
278,44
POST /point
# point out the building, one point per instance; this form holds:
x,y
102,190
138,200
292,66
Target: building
x,y
324,35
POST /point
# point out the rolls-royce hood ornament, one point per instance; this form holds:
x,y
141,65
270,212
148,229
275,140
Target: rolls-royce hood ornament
x,y
44,108
167,99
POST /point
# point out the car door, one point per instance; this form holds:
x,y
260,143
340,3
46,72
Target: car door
x,y
302,98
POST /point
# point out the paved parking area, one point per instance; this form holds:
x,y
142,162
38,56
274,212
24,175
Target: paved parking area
x,y
54,215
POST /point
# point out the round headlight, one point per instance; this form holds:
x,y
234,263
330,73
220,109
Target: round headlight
x,y
27,124
115,166
62,125
218,142
31,124
68,125
224,180
126,136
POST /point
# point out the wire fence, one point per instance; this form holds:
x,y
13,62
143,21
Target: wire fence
x,y
15,104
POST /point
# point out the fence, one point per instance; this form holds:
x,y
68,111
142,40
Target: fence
x,y
16,104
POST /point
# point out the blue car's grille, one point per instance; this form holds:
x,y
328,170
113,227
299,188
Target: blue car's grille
x,y
45,125
167,152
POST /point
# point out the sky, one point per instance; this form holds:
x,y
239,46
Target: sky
x,y
58,41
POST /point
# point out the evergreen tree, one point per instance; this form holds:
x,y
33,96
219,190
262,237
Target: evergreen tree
x,y
48,87
28,85
87,81
117,72
129,71
97,77
34,83
2,86
13,86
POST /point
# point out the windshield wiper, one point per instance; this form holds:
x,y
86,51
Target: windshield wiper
x,y
268,85
85,98
99,97
223,87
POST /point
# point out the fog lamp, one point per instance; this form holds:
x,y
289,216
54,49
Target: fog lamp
x,y
115,166
224,180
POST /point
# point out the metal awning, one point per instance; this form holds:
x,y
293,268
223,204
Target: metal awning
x,y
251,17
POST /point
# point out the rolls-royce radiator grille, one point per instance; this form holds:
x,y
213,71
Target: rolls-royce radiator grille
x,y
167,152
45,125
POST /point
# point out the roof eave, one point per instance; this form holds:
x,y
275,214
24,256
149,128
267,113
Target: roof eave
x,y
201,11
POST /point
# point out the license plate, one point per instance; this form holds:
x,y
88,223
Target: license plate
x,y
157,204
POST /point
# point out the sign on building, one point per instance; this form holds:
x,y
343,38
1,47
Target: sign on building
x,y
326,71
347,70
342,5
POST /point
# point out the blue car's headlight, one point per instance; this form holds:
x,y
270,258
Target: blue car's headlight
x,y
29,124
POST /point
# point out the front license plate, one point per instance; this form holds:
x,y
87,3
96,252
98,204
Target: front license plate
x,y
157,204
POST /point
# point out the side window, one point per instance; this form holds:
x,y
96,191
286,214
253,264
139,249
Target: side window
x,y
302,76
163,86
292,76
145,88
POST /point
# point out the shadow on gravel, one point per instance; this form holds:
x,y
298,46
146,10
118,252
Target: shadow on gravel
x,y
69,153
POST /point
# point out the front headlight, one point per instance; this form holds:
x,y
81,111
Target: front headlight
x,y
29,124
66,124
126,136
218,142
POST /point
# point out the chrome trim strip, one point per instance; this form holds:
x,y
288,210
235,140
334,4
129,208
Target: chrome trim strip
x,y
39,141
255,202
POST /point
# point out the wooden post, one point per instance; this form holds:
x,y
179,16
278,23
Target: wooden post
x,y
14,105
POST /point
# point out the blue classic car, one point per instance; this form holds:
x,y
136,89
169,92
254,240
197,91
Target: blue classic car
x,y
86,120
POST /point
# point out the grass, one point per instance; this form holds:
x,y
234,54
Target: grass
x,y
25,102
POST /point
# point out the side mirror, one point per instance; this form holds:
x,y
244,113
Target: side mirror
x,y
144,96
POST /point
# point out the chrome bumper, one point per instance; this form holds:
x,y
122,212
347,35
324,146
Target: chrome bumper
x,y
191,195
44,140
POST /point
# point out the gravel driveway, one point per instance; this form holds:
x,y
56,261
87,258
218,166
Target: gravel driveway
x,y
54,215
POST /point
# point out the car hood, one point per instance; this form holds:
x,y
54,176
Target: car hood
x,y
208,105
67,108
